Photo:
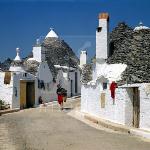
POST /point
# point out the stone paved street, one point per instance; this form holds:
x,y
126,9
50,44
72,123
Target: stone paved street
x,y
50,129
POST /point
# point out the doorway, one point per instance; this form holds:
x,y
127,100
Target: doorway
x,y
71,88
136,107
76,82
27,94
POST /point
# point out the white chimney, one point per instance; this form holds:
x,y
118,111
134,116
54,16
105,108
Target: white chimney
x,y
37,51
102,37
83,58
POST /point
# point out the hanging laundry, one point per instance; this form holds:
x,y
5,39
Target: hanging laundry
x,y
113,87
41,84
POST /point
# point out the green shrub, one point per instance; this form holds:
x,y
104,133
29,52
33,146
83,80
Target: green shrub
x,y
2,102
3,105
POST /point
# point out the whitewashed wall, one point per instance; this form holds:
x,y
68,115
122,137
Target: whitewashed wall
x,y
6,91
91,103
122,111
44,73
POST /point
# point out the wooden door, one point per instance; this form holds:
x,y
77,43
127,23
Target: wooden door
x,y
136,107
22,94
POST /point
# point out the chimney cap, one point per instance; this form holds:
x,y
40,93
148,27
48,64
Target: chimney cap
x,y
84,52
104,16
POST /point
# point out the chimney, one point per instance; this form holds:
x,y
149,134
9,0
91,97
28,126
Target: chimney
x,y
83,58
102,38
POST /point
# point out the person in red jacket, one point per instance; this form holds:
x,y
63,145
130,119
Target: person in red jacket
x,y
113,87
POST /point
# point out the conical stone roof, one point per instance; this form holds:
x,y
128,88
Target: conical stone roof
x,y
131,47
58,52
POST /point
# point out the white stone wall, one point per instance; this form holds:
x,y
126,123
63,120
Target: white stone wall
x,y
91,103
122,111
6,91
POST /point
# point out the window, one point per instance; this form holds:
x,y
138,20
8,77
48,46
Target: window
x,y
104,86
99,29
25,74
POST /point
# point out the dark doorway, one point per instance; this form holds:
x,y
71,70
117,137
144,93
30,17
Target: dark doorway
x,y
71,88
136,107
76,82
30,94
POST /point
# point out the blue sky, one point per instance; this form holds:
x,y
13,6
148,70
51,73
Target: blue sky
x,y
75,21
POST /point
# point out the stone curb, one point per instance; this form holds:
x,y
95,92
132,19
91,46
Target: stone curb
x,y
108,124
118,127
9,111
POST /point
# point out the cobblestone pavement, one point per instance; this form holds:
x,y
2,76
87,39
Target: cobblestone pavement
x,y
48,128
